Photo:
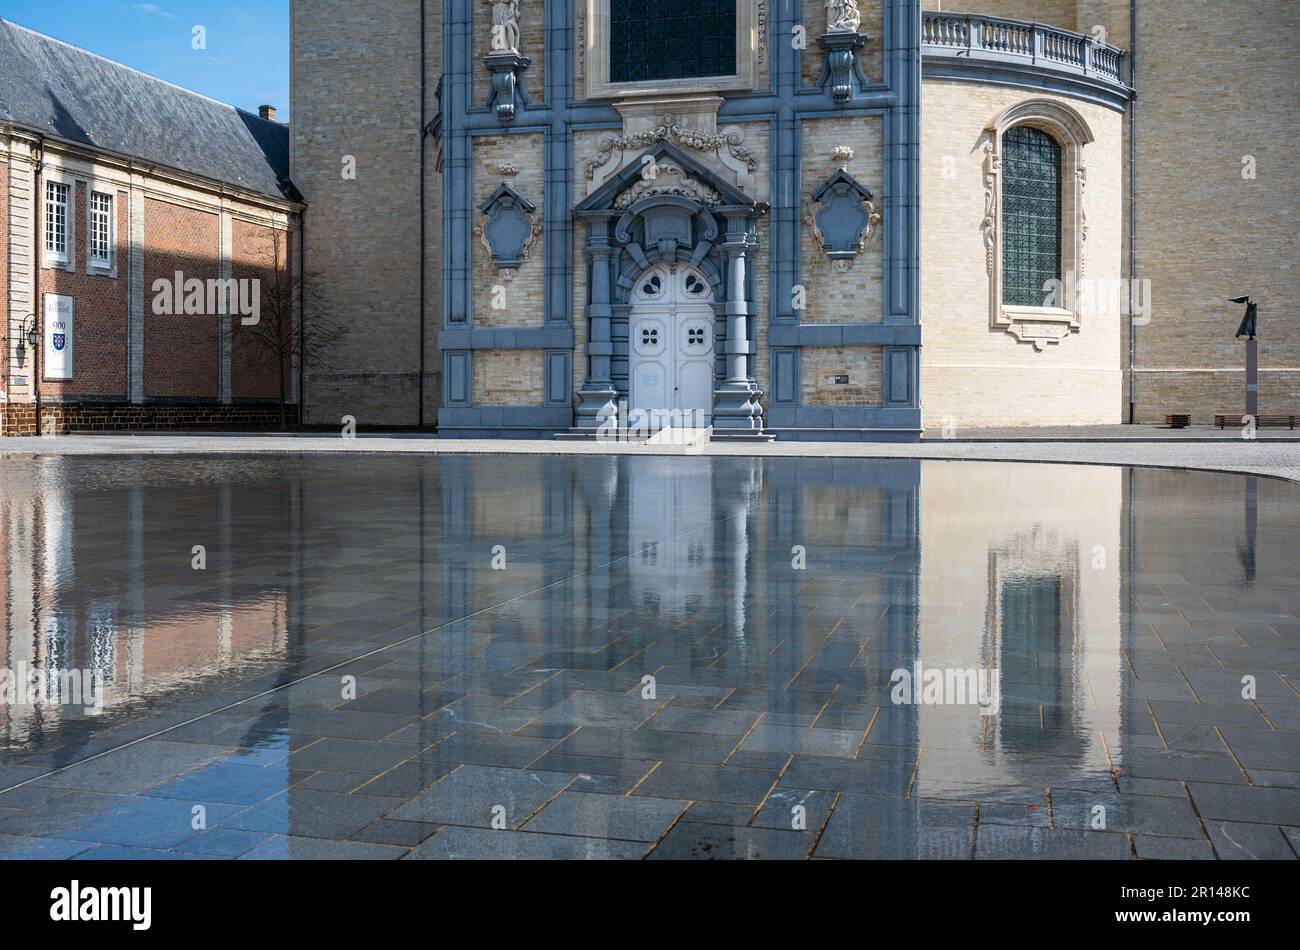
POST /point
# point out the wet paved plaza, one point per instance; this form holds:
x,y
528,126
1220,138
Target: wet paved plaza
x,y
622,657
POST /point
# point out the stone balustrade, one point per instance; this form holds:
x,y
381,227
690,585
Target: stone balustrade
x,y
967,42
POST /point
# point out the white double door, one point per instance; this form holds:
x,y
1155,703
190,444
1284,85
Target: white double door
x,y
671,347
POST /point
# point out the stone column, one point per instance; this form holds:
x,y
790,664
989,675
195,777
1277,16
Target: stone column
x,y
598,399
736,401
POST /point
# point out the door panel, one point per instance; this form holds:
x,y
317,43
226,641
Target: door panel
x,y
672,343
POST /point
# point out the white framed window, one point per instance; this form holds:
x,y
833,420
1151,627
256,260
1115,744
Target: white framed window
x,y
101,230
58,223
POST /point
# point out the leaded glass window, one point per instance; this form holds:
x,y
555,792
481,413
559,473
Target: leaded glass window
x,y
1031,216
651,40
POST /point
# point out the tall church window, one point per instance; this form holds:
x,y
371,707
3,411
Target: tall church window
x,y
1031,216
650,40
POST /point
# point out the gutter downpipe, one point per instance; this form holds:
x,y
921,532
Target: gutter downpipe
x,y
424,131
1132,210
38,309
302,316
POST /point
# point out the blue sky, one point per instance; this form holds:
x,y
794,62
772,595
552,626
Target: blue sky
x,y
246,62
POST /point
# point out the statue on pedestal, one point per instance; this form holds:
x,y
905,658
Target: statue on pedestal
x,y
842,16
505,25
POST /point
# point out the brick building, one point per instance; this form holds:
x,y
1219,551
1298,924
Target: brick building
x,y
122,196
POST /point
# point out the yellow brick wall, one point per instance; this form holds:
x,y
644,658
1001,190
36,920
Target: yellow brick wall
x,y
1218,88
862,364
524,294
1062,13
856,295
508,377
972,374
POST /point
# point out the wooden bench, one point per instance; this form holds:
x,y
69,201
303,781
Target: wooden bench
x,y
1178,420
1274,419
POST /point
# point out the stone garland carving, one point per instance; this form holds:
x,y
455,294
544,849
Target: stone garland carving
x,y
669,179
989,226
843,216
510,231
686,138
582,45
1081,175
761,18
842,16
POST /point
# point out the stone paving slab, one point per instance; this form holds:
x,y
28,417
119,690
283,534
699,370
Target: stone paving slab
x,y
1271,455
497,726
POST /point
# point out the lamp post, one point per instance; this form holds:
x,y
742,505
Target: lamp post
x,y
1248,329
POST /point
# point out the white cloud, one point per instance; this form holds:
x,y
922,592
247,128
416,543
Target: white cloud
x,y
149,9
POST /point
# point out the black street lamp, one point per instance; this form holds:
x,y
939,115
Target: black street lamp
x,y
1249,329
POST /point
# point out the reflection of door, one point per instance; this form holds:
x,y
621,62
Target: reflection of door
x,y
670,566
671,351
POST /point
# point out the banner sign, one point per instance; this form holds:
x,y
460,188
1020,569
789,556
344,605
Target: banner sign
x,y
60,325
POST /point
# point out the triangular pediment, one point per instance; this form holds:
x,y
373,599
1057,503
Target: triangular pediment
x,y
606,197
842,177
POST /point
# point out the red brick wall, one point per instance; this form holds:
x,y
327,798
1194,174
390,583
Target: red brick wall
x,y
255,251
5,325
182,355
99,352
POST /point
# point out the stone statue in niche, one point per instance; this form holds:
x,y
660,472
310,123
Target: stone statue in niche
x,y
505,25
842,16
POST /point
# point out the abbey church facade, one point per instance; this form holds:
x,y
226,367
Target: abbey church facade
x,y
823,219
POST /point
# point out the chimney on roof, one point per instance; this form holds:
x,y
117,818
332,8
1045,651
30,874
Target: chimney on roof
x,y
267,113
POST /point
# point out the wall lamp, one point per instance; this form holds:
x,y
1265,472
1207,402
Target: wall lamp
x,y
27,336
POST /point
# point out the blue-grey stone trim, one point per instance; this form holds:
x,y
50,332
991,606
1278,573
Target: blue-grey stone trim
x,y
844,334
783,104
1027,77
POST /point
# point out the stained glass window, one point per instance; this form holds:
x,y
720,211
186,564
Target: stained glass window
x,y
652,40
1031,216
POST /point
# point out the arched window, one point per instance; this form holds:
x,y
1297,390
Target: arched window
x,y
1031,216
1035,225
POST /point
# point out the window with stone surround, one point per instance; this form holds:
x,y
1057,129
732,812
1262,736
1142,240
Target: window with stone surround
x,y
1031,216
1035,223
648,47
650,40
101,230
58,214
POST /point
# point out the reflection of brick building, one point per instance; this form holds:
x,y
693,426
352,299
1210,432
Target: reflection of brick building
x,y
134,180
99,595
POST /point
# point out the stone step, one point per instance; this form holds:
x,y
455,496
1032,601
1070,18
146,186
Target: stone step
x,y
747,435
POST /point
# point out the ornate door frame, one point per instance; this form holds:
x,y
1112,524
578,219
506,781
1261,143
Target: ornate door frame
x,y
664,208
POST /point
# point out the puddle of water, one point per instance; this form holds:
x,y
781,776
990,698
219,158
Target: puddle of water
x,y
970,631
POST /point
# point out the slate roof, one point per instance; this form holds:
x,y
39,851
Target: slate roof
x,y
48,86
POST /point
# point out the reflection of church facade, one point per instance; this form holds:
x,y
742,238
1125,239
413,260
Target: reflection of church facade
x,y
820,220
